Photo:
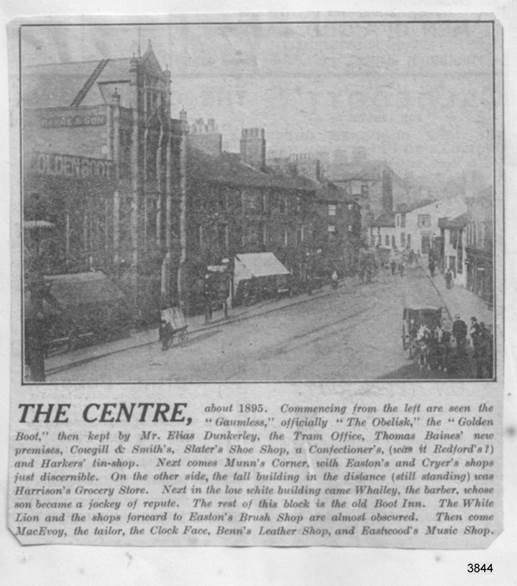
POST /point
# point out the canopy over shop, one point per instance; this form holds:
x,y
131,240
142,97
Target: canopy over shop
x,y
257,265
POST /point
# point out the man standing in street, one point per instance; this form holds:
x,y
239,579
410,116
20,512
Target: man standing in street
x,y
459,331
431,266
448,279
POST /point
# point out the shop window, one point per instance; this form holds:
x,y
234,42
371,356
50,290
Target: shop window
x,y
332,209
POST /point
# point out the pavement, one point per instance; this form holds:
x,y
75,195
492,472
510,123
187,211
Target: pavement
x,y
139,339
459,300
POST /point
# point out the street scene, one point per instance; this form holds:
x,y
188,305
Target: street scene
x,y
197,209
331,335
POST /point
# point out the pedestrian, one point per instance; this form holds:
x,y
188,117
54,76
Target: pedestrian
x,y
448,279
393,266
165,334
459,331
423,338
334,279
431,266
489,352
401,268
207,294
445,350
474,332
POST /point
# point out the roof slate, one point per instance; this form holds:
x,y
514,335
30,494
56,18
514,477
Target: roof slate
x,y
229,169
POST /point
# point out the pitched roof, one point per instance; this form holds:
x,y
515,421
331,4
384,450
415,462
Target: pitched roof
x,y
457,222
409,207
55,84
229,169
58,84
330,192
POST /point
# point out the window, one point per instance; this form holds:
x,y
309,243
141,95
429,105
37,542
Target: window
x,y
286,237
266,203
393,242
332,209
402,239
387,240
424,220
350,206
282,204
398,219
331,229
222,201
409,240
402,220
350,227
364,190
222,237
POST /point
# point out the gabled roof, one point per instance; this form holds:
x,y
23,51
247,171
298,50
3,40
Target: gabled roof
x,y
229,169
55,84
457,222
58,84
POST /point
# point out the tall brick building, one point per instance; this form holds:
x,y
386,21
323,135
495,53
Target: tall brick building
x,y
105,163
236,206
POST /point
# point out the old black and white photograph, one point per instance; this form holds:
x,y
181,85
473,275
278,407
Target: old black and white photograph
x,y
258,201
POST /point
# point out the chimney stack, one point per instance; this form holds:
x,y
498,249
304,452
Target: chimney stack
x,y
205,137
253,147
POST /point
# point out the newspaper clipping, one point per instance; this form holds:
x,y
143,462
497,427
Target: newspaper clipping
x,y
258,281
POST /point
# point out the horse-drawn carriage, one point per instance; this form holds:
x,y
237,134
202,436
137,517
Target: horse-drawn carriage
x,y
413,319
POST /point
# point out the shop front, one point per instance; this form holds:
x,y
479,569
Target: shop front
x,y
480,273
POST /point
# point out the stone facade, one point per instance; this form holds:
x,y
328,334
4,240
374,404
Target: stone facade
x,y
115,110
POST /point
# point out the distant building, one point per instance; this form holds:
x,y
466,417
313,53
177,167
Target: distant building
x,y
382,231
373,184
337,229
453,243
417,226
480,245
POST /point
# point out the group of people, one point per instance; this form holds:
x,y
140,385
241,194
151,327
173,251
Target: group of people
x,y
452,350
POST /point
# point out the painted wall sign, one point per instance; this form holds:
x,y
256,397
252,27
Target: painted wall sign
x,y
69,165
73,120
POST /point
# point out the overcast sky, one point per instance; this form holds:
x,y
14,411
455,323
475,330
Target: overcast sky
x,y
418,95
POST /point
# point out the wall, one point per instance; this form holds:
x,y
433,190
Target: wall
x,y
84,132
